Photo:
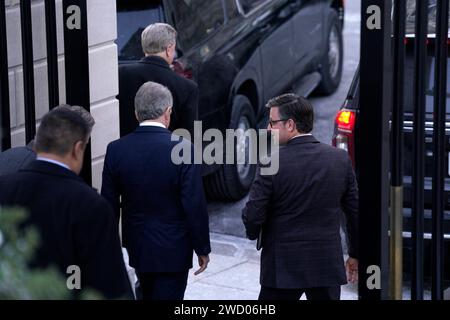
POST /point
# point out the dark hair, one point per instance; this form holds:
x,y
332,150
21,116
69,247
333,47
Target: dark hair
x,y
60,129
292,106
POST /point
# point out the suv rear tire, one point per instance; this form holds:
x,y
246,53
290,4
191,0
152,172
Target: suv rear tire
x,y
332,61
233,181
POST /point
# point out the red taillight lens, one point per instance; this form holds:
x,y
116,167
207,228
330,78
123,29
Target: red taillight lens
x,y
344,137
345,120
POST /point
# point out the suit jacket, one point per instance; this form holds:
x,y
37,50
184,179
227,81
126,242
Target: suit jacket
x,y
76,225
300,210
156,69
164,215
14,159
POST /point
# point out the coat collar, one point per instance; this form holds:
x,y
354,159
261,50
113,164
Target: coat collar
x,y
151,129
156,61
302,140
51,169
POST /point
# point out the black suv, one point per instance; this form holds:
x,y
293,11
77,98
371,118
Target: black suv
x,y
347,137
241,53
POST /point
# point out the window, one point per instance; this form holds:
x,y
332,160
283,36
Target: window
x,y
411,16
195,20
133,16
430,63
248,5
409,84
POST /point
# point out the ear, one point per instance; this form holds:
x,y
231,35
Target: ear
x,y
166,116
136,115
78,149
291,125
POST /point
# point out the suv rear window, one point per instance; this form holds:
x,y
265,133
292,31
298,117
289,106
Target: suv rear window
x,y
411,16
133,16
409,62
197,19
429,76
248,5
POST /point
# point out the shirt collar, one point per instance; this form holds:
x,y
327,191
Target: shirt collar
x,y
152,124
54,162
301,135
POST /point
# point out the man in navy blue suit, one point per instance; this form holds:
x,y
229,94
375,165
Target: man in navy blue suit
x,y
15,159
164,215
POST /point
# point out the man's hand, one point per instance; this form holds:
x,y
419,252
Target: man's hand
x,y
351,267
203,263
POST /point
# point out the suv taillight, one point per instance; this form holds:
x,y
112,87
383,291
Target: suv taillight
x,y
341,142
345,132
345,120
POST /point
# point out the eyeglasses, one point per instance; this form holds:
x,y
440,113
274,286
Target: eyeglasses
x,y
272,122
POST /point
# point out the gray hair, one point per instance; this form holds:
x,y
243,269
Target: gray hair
x,y
157,37
81,111
151,101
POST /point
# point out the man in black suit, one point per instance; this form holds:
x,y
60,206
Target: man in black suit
x,y
164,216
14,159
159,46
76,225
299,210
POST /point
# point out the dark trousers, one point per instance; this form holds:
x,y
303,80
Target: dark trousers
x,y
162,286
326,293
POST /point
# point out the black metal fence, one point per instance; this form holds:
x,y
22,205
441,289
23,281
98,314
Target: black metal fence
x,y
76,66
439,138
382,100
375,101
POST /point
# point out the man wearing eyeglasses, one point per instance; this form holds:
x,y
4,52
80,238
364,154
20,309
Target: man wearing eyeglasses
x,y
299,211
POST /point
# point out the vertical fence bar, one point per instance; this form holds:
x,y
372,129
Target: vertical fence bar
x,y
439,138
396,225
52,53
5,125
76,50
418,149
28,70
376,101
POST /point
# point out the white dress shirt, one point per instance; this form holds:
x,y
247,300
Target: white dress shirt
x,y
301,135
152,124
54,162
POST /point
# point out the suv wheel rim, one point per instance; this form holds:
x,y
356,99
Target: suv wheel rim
x,y
334,55
243,149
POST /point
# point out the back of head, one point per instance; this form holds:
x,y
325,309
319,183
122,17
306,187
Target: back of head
x,y
87,117
157,37
61,129
299,109
151,101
